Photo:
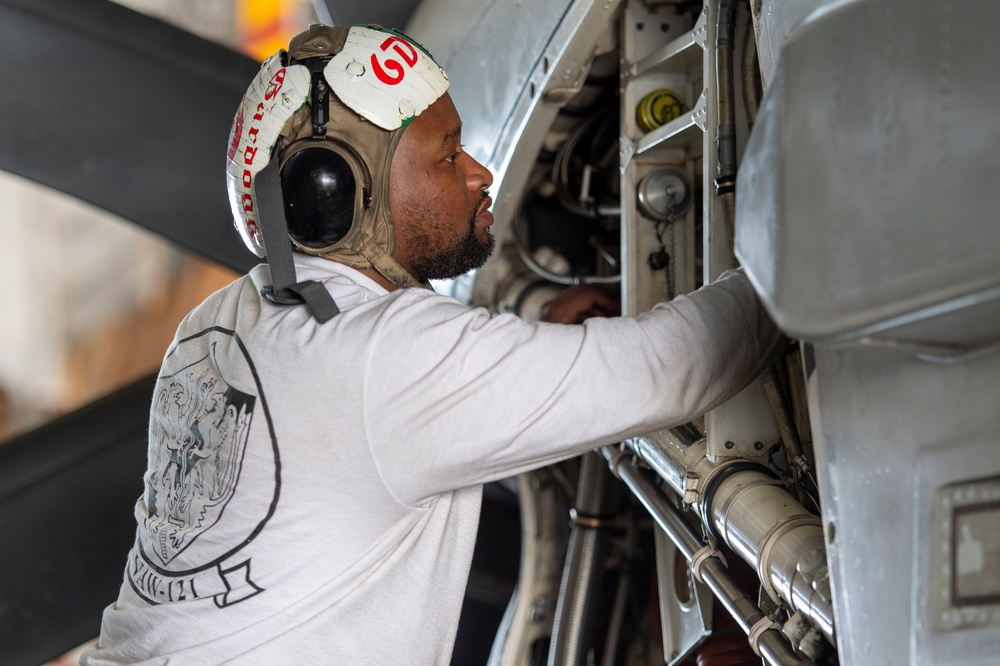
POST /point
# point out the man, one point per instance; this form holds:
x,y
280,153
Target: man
x,y
317,448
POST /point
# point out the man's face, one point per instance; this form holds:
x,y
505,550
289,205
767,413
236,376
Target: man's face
x,y
438,198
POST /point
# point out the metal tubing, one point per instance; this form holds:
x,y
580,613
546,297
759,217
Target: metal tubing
x,y
668,457
756,517
617,618
724,42
725,183
580,586
750,75
782,412
621,599
769,529
771,643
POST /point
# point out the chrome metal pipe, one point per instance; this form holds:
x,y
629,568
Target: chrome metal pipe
x,y
755,516
771,643
580,588
768,528
669,456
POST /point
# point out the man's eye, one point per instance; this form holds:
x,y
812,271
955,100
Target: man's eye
x,y
451,158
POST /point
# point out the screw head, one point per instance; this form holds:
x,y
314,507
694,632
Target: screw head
x,y
730,444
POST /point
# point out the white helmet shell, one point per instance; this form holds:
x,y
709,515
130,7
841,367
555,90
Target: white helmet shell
x,y
275,94
379,74
385,78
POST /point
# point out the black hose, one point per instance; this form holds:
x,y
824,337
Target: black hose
x,y
750,76
725,182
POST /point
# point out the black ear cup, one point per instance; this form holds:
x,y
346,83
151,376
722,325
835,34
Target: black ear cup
x,y
318,186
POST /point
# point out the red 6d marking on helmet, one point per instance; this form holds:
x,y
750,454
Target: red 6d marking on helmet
x,y
409,56
385,77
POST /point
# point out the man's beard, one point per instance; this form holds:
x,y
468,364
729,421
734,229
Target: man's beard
x,y
468,253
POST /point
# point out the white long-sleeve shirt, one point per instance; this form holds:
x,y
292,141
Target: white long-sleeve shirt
x,y
313,490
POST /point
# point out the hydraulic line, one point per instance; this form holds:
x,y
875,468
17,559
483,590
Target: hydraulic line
x,y
750,75
762,522
744,506
766,638
521,245
580,588
621,597
781,410
725,182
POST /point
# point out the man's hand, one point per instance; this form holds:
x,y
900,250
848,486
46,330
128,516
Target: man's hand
x,y
580,302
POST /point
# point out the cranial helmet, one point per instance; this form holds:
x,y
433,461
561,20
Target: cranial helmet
x,y
327,115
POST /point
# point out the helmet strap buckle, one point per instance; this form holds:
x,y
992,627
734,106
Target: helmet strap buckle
x,y
319,97
284,288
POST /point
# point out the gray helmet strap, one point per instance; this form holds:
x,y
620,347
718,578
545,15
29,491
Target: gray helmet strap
x,y
284,289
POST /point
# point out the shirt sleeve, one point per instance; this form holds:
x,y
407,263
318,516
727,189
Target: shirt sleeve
x,y
454,397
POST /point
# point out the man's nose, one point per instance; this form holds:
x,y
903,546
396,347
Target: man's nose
x,y
479,177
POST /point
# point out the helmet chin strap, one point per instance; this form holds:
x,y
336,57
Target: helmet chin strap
x,y
284,289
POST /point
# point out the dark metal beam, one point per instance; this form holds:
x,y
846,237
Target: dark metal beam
x,y
125,112
67,491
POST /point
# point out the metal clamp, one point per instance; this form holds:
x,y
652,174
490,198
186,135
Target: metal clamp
x,y
768,542
702,554
589,520
759,627
691,482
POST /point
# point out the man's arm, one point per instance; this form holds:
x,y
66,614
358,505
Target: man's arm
x,y
454,397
